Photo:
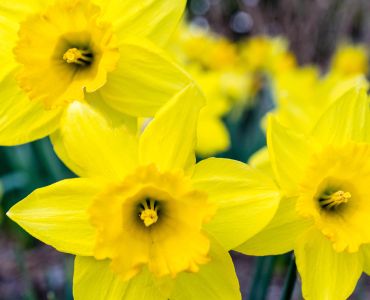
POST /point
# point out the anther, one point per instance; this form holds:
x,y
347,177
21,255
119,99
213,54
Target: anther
x,y
149,212
77,56
149,216
335,199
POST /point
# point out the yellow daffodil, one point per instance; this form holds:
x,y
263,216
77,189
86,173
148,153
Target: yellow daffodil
x,y
144,220
193,44
295,95
302,96
350,60
266,54
212,60
213,136
101,52
261,161
324,214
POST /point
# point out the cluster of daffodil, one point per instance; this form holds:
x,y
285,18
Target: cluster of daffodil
x,y
230,74
302,94
144,220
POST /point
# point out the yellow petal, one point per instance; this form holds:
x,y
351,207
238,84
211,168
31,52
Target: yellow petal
x,y
92,147
155,19
326,274
93,279
280,235
22,120
18,10
261,161
246,199
57,216
289,154
212,134
115,117
8,37
169,140
145,79
365,249
215,280
348,119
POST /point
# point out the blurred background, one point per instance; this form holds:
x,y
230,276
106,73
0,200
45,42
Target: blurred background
x,y
313,27
242,81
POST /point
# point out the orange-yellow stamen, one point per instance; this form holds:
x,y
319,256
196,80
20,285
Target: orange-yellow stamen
x,y
149,217
149,213
77,56
335,199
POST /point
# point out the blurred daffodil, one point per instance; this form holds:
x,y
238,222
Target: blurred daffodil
x,y
193,44
101,52
324,213
302,95
264,54
145,221
349,60
263,59
212,60
213,136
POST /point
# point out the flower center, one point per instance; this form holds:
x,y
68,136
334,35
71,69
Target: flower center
x,y
334,200
149,212
78,56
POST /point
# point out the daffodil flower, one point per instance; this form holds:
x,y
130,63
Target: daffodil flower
x,y
350,59
144,220
102,52
302,95
324,214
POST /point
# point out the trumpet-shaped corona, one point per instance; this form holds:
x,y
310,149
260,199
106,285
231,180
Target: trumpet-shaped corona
x,y
334,194
160,216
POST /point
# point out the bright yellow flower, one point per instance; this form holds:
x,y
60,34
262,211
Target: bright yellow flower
x,y
224,90
101,52
261,161
266,54
145,221
213,136
324,214
302,96
212,61
192,44
351,60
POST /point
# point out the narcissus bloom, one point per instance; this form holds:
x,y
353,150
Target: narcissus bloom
x,y
325,211
102,52
213,62
212,134
194,44
350,60
264,54
144,220
302,96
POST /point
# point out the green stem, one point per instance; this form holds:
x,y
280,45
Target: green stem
x,y
289,281
262,277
